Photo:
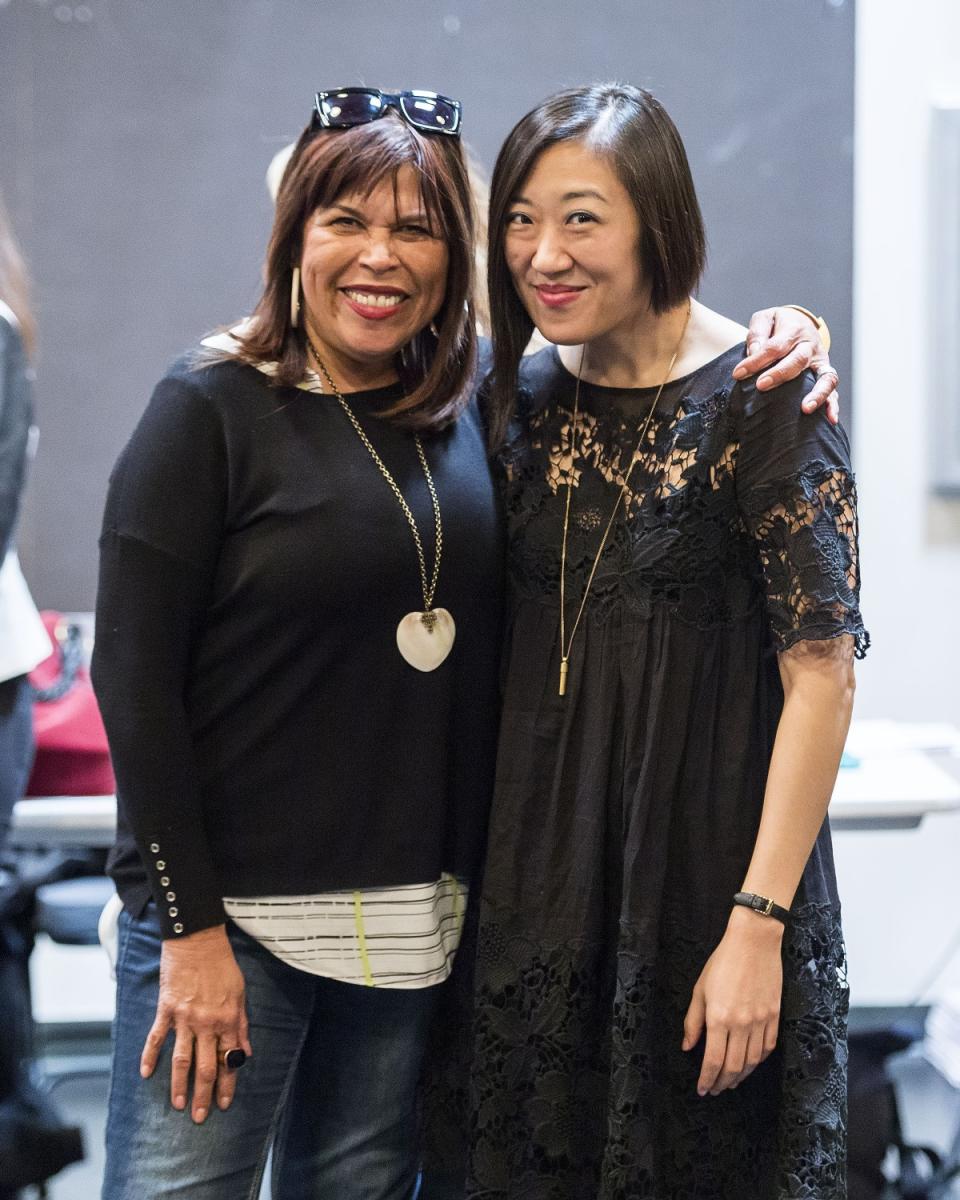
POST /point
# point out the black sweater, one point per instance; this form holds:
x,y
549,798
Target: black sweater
x,y
267,737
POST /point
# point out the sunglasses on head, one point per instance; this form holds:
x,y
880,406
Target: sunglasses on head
x,y
346,107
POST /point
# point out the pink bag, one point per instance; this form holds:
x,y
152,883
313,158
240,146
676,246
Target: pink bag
x,y
72,756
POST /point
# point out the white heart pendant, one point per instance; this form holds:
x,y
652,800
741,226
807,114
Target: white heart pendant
x,y
426,638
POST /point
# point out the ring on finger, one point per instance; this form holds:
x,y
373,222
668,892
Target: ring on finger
x,y
831,371
233,1058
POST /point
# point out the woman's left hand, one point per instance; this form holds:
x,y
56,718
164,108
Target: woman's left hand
x,y
789,342
737,1000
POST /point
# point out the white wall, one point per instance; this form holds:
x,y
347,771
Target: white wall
x,y
907,55
901,891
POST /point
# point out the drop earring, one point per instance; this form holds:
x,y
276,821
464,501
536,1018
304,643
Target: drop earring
x,y
434,330
295,298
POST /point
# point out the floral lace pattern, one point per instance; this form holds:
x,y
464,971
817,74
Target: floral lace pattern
x,y
586,1093
806,533
695,535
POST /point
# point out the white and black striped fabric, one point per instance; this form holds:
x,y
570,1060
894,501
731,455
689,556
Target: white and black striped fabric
x,y
399,937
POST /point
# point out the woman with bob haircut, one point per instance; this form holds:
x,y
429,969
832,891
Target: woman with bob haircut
x,y
660,992
303,770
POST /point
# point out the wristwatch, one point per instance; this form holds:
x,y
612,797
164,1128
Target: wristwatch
x,y
822,328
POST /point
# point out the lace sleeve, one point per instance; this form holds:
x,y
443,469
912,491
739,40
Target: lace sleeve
x,y
798,500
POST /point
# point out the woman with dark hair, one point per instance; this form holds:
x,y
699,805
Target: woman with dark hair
x,y
660,994
302,781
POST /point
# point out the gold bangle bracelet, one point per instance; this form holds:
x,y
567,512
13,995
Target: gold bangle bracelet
x,y
822,328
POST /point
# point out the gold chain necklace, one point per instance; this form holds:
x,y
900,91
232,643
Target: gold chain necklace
x,y
423,638
567,645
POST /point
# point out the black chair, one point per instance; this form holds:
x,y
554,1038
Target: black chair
x,y
67,911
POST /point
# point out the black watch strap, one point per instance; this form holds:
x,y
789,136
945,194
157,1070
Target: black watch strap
x,y
763,905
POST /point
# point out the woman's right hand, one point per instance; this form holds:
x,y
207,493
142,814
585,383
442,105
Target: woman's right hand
x,y
202,1001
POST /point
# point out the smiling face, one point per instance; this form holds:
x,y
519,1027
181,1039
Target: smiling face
x,y
373,275
572,247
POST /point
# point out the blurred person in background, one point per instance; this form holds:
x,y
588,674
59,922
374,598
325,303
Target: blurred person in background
x,y
33,1143
23,640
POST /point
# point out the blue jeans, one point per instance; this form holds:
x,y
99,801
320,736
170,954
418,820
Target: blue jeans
x,y
332,1085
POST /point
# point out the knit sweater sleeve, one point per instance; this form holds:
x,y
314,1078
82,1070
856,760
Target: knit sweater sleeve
x,y
162,530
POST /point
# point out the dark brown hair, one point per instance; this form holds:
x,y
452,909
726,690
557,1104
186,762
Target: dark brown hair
x,y
14,286
632,129
437,371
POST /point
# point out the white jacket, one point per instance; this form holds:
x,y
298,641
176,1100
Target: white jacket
x,y
23,638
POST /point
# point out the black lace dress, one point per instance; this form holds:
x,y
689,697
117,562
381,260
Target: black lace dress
x,y
626,812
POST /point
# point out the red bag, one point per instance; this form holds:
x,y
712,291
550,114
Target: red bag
x,y
72,757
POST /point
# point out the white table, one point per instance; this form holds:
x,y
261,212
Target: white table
x,y
895,791
64,821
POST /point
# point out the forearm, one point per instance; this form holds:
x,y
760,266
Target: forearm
x,y
818,687
147,608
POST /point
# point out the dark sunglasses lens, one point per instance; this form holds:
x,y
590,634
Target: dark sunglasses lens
x,y
431,112
351,108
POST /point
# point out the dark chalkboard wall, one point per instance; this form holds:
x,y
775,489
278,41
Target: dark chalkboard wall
x,y
134,135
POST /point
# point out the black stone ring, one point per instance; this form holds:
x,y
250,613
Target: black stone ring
x,y
233,1059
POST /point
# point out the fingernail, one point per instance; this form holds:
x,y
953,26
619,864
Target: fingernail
x,y
739,371
179,1102
701,1091
809,406
224,1103
200,1115
144,1072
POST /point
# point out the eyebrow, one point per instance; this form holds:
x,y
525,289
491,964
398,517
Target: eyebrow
x,y
585,194
419,215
